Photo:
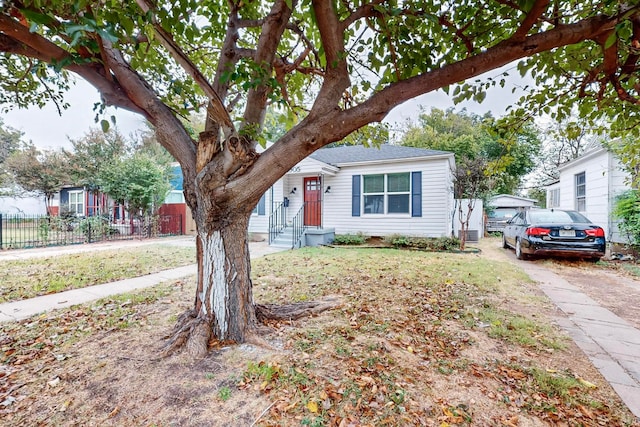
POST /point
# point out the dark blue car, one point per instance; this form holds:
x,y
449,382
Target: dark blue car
x,y
554,232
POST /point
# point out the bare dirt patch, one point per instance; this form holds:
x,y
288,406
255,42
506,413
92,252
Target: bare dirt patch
x,y
412,344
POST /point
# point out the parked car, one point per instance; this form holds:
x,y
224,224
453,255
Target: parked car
x,y
553,232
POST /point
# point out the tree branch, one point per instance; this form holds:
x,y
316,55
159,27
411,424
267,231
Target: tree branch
x,y
216,107
272,29
37,47
529,21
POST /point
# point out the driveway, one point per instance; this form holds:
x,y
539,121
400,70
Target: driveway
x,y
600,311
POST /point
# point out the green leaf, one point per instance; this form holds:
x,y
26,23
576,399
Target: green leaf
x,y
105,125
611,40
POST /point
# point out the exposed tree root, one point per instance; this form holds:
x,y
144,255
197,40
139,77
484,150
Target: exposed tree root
x,y
296,310
194,332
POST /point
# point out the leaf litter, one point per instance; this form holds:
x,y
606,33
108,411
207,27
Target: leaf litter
x,y
407,348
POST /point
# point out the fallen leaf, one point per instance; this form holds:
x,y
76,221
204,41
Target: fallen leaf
x,y
586,383
312,407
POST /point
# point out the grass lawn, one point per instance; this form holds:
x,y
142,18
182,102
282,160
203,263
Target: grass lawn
x,y
421,339
29,278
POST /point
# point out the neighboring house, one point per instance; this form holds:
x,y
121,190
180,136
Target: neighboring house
x,y
29,204
353,189
175,204
590,185
502,208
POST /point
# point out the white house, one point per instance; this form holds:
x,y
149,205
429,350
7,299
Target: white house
x,y
355,189
590,185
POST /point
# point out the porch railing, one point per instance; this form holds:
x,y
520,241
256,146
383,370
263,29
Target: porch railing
x,y
277,221
297,225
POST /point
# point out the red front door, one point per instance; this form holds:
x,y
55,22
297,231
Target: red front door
x,y
313,202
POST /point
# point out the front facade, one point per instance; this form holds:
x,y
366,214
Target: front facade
x,y
590,185
373,191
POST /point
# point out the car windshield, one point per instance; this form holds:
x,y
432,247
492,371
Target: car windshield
x,y
503,214
557,217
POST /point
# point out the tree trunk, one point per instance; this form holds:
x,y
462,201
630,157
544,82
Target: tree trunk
x,y
223,306
224,294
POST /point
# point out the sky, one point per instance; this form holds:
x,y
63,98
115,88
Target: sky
x,y
49,130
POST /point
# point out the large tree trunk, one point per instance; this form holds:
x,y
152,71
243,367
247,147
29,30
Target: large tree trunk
x,y
224,295
223,306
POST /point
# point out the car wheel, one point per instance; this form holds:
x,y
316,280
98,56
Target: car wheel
x,y
504,242
519,253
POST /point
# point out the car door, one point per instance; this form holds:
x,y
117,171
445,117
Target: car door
x,y
512,227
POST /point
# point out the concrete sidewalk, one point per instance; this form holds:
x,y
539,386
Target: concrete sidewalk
x,y
18,310
610,342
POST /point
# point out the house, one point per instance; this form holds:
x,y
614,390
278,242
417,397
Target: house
x,y
590,185
354,189
502,208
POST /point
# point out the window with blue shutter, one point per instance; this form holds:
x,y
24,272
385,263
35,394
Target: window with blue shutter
x,y
355,195
416,194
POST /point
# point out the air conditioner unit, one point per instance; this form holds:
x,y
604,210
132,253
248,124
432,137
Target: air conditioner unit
x,y
472,235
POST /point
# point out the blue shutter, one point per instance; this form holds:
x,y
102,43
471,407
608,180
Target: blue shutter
x,y
355,195
261,204
416,194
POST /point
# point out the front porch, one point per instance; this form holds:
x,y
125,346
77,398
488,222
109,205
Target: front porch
x,y
304,228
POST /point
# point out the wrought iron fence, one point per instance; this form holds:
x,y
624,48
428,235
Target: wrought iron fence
x,y
19,231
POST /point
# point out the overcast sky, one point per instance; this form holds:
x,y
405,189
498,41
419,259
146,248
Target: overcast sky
x,y
47,129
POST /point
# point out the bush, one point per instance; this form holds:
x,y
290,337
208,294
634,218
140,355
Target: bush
x,y
627,209
349,239
424,243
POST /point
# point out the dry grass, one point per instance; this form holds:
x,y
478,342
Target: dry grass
x,y
29,278
415,343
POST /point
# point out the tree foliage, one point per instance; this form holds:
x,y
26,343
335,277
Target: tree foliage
x,y
93,152
10,141
508,155
563,141
44,172
627,210
139,181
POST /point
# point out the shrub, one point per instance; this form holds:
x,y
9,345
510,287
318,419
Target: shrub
x,y
424,243
627,209
349,239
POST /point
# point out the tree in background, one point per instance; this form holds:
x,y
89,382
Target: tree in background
x,y
10,141
562,142
138,181
489,158
508,155
334,67
43,172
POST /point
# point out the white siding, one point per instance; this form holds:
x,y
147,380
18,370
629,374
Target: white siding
x,y
604,181
476,221
436,202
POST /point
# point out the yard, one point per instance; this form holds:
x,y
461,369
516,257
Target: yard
x,y
433,339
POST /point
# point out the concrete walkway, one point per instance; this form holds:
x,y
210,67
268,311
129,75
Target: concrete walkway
x,y
610,342
18,310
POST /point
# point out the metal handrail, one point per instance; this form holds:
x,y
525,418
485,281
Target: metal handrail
x,y
277,221
297,225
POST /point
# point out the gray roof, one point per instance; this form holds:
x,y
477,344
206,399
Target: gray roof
x,y
359,153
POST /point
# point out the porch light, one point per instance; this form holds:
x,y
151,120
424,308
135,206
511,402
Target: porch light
x,y
328,190
293,191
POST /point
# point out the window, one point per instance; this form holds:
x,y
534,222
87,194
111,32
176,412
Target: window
x,y
554,198
386,193
76,202
581,192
